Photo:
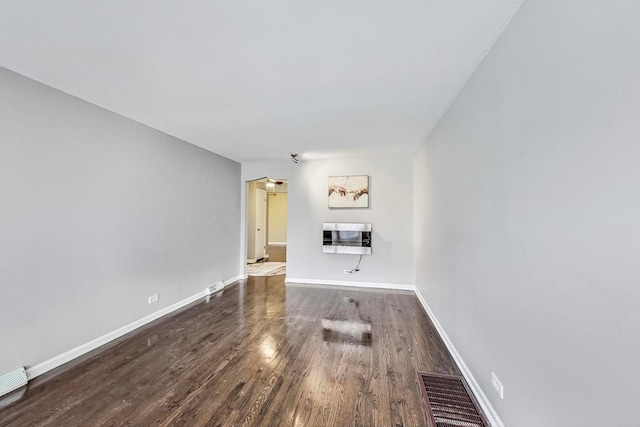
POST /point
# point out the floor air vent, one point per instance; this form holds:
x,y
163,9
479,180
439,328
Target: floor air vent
x,y
450,402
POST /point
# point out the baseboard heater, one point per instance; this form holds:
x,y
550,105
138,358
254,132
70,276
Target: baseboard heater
x,y
13,381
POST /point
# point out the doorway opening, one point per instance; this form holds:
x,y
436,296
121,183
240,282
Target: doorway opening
x,y
266,227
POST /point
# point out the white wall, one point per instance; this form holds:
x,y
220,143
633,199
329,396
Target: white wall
x,y
98,213
390,213
527,207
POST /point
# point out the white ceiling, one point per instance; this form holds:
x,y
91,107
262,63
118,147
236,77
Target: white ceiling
x,y
255,79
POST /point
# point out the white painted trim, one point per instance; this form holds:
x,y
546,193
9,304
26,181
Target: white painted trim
x,y
277,243
376,285
235,279
67,356
484,402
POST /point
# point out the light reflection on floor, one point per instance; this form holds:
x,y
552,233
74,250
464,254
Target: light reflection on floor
x,y
356,331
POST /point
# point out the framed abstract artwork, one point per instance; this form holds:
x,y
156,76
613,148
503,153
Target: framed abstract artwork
x,y
351,191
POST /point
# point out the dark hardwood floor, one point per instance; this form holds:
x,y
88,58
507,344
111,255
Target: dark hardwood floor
x,y
256,355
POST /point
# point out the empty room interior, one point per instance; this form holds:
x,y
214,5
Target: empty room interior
x,y
303,213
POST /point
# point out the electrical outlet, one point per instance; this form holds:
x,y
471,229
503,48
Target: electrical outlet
x,y
497,385
153,298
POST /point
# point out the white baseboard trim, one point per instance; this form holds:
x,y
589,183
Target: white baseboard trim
x,y
484,402
376,285
235,279
67,356
277,243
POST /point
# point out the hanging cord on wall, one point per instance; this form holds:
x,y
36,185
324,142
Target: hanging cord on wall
x,y
355,269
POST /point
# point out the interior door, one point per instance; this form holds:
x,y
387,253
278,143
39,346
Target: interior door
x,y
261,223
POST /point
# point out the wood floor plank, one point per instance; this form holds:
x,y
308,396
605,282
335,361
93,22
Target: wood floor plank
x,y
259,354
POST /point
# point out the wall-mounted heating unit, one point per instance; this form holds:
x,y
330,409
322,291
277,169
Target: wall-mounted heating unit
x,y
346,238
